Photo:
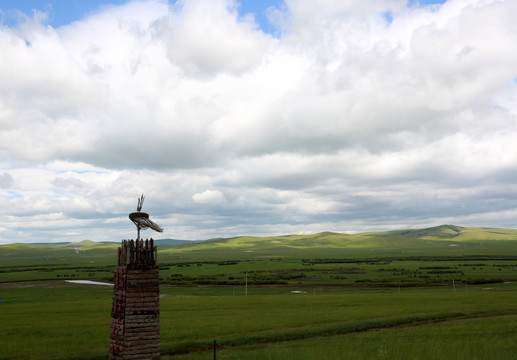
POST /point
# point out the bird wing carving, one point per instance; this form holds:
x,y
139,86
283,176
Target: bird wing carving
x,y
142,221
148,223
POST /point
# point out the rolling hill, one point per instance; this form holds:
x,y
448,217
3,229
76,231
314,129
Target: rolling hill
x,y
439,236
444,235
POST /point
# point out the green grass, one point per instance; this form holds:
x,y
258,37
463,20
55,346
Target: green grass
x,y
66,321
54,321
59,320
235,321
404,258
445,340
363,296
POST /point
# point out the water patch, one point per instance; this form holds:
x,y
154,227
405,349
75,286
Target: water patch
x,y
89,282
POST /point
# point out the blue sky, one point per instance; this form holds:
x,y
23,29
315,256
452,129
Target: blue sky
x,y
63,12
60,12
346,116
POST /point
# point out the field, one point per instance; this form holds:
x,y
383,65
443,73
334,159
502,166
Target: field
x,y
445,292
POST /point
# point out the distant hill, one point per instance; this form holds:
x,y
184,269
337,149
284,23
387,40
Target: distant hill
x,y
79,244
428,238
448,232
174,242
75,249
444,235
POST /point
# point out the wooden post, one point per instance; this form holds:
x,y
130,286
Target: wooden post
x,y
135,313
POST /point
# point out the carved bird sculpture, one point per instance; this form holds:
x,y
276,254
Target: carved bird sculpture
x,y
141,219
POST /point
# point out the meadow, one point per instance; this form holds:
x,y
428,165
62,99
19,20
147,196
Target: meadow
x,y
333,296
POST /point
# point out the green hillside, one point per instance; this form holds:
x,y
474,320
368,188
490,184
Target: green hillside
x,y
388,258
83,243
448,232
417,277
439,236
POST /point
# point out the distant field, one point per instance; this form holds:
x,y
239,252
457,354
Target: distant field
x,y
407,258
412,294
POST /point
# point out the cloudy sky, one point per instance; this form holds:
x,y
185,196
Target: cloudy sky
x,y
254,117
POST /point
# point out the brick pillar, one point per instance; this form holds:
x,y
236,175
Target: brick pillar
x,y
135,313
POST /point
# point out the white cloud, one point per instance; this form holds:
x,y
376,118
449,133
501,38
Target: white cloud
x,y
349,119
209,197
6,180
208,38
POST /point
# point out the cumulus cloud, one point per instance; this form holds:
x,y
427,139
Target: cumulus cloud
x,y
208,38
354,116
209,197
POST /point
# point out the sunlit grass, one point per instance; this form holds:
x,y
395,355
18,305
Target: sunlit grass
x,y
352,302
483,338
66,321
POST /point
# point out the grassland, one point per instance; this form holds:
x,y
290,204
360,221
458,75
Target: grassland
x,y
66,321
444,340
444,292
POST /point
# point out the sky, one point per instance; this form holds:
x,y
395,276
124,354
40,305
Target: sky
x,y
255,117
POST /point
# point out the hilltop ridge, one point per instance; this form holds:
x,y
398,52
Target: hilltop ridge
x,y
325,239
442,234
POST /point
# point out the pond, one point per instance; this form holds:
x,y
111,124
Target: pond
x,y
89,282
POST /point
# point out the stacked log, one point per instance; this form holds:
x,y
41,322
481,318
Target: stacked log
x,y
135,316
